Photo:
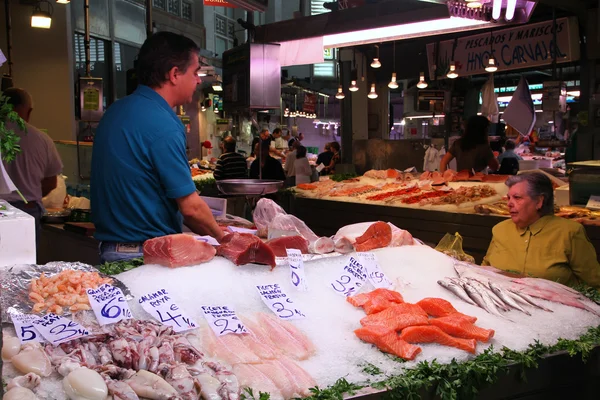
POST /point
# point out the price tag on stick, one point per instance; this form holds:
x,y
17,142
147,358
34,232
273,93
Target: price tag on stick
x,y
161,306
374,272
109,304
57,329
26,332
350,279
278,302
223,320
297,269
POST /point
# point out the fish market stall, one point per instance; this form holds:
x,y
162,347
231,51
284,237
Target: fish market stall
x,y
198,320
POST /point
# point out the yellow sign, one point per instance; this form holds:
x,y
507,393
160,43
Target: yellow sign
x,y
91,99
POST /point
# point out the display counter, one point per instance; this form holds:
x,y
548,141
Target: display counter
x,y
56,243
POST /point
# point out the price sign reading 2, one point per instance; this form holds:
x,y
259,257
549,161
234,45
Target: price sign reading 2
x,y
279,302
223,320
297,269
350,279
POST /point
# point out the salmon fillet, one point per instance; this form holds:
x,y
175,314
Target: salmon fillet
x,y
358,300
387,340
378,235
436,307
433,334
461,328
376,301
392,173
391,319
381,317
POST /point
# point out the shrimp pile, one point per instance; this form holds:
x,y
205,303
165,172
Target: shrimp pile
x,y
64,290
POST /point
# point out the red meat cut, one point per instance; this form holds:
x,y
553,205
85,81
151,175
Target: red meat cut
x,y
178,250
279,245
244,248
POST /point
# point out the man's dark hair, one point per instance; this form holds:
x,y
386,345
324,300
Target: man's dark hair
x,y
160,53
301,152
509,145
476,133
229,144
335,146
276,131
17,97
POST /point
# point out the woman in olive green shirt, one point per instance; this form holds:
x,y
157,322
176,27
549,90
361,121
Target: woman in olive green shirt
x,y
537,243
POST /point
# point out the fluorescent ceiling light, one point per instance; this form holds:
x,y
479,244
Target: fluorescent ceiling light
x,y
510,9
217,87
426,116
404,31
41,19
506,99
574,93
497,9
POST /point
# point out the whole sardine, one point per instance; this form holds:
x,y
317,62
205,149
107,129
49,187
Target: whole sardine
x,y
482,299
506,298
456,289
520,296
482,288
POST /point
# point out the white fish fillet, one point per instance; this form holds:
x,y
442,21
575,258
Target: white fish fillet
x,y
229,348
287,337
292,381
251,377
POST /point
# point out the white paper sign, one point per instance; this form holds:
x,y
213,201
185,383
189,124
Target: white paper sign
x,y
109,304
242,230
297,269
57,330
350,279
278,302
222,320
593,203
320,167
161,306
374,272
26,332
207,239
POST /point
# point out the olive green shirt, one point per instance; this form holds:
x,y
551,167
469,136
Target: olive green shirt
x,y
552,248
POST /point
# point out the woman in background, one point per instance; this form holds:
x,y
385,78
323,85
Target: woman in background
x,y
302,167
335,158
472,151
271,168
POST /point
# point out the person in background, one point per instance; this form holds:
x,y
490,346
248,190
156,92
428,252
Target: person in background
x,y
509,152
290,164
325,157
301,166
271,168
141,183
298,139
35,168
279,144
472,151
535,242
335,159
230,165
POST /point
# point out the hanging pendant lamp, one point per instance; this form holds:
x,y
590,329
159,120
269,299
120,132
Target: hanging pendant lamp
x,y
393,82
372,94
422,83
340,93
452,74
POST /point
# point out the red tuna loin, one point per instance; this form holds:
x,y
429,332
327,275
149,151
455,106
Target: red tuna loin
x,y
244,248
178,250
279,245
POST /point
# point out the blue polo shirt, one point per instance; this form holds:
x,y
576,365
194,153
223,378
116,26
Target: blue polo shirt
x,y
139,168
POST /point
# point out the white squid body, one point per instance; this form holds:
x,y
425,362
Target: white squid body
x,y
85,384
149,385
19,393
11,346
32,359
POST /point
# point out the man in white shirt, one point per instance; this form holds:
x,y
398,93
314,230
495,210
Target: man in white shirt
x,y
35,168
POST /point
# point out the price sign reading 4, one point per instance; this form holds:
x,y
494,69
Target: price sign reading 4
x,y
109,304
376,275
280,303
161,306
222,320
350,279
26,332
297,269
57,330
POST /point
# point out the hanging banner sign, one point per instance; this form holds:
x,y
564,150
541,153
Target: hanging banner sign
x,y
525,46
218,3
310,103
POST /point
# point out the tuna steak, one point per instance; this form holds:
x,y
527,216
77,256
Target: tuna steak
x,y
279,245
178,250
244,248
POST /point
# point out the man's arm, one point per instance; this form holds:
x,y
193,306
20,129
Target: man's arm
x,y
198,217
48,185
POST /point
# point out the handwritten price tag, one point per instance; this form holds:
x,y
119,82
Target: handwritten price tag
x,y
297,269
222,320
374,272
109,304
57,330
280,303
352,277
161,306
207,239
26,332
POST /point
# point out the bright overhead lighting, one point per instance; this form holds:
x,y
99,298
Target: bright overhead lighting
x,y
39,20
340,94
393,83
427,116
202,73
491,67
372,94
202,108
474,4
506,99
422,84
452,74
353,87
404,31
496,9
216,110
574,93
511,5
63,1
217,87
376,63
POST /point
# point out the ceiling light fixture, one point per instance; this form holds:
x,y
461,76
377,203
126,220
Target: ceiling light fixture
x,y
217,87
393,83
422,84
340,93
353,87
202,108
376,63
511,5
452,74
372,94
496,9
63,1
474,4
40,18
216,110
491,66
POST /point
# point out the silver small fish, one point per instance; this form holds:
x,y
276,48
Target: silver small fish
x,y
455,288
524,297
500,292
482,288
482,299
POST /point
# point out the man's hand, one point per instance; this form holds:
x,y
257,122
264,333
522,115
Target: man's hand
x,y
198,217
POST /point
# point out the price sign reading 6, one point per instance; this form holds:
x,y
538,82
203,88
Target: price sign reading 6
x,y
297,269
109,304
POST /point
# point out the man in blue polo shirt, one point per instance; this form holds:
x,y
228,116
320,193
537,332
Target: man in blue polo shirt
x,y
141,186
